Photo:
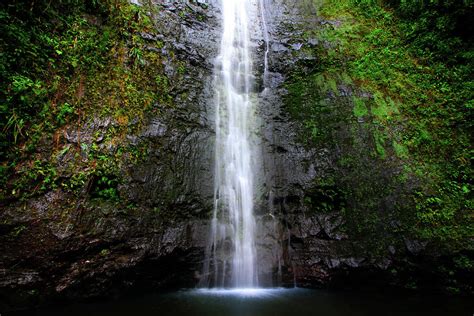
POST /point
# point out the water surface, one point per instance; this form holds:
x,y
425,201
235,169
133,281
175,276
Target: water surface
x,y
269,302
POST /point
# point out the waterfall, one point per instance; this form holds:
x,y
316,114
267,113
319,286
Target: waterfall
x,y
231,254
266,38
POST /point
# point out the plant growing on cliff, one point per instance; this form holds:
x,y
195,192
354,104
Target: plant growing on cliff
x,y
64,62
409,68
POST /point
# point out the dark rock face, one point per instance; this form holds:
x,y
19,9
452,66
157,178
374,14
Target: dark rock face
x,y
294,246
302,240
62,245
180,161
93,250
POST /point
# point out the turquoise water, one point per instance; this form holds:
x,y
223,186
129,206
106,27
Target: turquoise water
x,y
271,302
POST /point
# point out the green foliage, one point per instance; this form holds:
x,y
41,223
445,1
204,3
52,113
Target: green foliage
x,y
64,111
34,45
412,60
17,231
438,29
447,214
104,252
400,150
105,187
360,109
137,56
39,176
325,198
64,62
76,182
46,44
464,262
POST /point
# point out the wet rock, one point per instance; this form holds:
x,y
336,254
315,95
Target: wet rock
x,y
391,250
384,263
313,41
11,278
297,46
74,246
151,37
92,131
345,91
414,247
278,47
156,128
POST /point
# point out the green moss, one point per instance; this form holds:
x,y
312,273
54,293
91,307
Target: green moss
x,y
331,82
464,262
380,144
360,109
381,110
89,62
417,118
104,252
400,150
17,231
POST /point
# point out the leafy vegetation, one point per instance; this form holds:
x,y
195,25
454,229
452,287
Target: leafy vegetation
x,y
409,68
74,63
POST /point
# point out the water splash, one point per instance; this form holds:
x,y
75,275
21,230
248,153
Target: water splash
x,y
242,292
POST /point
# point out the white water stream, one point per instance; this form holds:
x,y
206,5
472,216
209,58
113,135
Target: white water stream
x,y
231,258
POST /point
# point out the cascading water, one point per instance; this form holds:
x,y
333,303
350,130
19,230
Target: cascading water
x,y
266,38
231,257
